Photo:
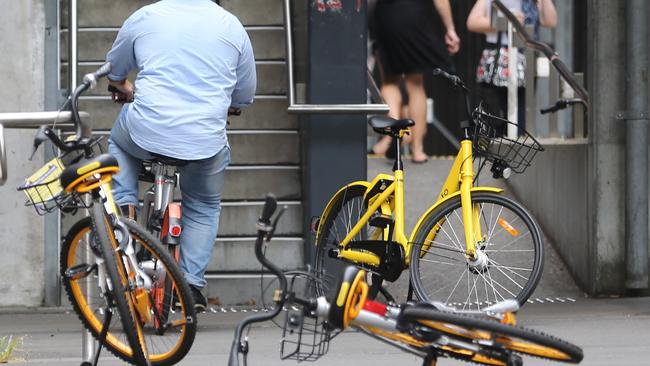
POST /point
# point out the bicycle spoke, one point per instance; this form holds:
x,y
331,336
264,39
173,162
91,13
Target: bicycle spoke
x,y
507,265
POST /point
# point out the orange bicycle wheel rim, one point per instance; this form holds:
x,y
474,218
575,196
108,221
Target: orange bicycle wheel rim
x,y
95,323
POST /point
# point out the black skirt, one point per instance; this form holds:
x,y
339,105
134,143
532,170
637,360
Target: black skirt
x,y
405,37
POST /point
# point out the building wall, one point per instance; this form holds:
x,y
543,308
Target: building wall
x,y
555,189
22,26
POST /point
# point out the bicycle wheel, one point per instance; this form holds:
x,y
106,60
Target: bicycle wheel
x,y
334,227
493,335
510,254
119,286
166,346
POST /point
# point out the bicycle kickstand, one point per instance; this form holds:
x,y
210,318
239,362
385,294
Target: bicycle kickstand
x,y
102,338
430,360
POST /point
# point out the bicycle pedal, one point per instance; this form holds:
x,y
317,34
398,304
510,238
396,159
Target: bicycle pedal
x,y
381,221
79,271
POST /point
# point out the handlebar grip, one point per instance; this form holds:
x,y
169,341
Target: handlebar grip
x,y
91,78
548,110
104,70
453,78
269,208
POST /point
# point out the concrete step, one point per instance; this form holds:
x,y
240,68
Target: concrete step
x,y
101,13
224,290
238,219
94,43
238,254
267,112
258,147
271,77
254,182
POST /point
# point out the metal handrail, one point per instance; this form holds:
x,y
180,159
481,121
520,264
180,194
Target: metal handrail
x,y
63,120
318,108
545,49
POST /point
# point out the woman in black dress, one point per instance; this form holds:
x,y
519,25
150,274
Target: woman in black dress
x,y
407,47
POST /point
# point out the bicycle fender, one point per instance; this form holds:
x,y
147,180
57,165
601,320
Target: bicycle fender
x,y
171,227
440,202
335,198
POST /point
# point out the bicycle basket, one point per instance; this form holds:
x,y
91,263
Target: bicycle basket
x,y
43,188
305,337
490,143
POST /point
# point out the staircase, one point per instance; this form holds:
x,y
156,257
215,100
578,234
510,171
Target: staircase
x,y
264,140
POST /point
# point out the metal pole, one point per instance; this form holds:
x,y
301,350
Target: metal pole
x,y
52,88
87,343
513,75
72,49
636,208
299,108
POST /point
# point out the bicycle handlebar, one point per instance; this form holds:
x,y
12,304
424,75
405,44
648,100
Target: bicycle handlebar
x,y
454,79
562,104
264,229
269,208
82,131
457,82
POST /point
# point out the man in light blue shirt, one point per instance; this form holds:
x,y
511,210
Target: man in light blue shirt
x,y
195,63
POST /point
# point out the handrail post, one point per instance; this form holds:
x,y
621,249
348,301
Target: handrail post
x,y
295,107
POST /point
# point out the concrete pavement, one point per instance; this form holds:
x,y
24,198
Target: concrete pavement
x,y
610,331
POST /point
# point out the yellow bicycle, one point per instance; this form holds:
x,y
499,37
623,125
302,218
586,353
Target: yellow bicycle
x,y
429,331
472,248
114,272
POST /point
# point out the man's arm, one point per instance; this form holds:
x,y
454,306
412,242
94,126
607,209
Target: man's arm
x,y
122,59
244,91
451,38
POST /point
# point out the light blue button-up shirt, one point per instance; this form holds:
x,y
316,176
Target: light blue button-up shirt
x,y
194,60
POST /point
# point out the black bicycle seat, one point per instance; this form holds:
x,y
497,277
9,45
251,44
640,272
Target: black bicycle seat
x,y
389,126
158,158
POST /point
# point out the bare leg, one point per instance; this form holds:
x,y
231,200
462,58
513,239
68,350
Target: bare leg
x,y
393,97
418,113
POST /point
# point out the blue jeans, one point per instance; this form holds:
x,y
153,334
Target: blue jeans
x,y
201,184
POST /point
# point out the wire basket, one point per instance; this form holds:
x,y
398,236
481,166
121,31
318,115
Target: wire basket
x,y
490,143
305,337
43,188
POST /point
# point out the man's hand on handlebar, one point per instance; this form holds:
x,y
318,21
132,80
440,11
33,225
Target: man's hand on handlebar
x,y
121,92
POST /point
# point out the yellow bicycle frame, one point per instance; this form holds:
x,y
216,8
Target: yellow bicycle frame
x,y
391,202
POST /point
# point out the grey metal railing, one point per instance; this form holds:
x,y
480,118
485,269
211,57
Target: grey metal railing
x,y
33,120
557,71
295,107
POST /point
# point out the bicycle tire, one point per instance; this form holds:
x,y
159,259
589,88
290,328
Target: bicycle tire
x,y
178,339
513,251
333,228
515,339
163,298
120,286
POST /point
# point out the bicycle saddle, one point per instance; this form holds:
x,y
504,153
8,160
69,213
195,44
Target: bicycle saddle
x,y
389,126
168,160
75,173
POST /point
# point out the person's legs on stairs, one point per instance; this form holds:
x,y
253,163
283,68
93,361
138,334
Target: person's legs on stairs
x,y
393,97
418,113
